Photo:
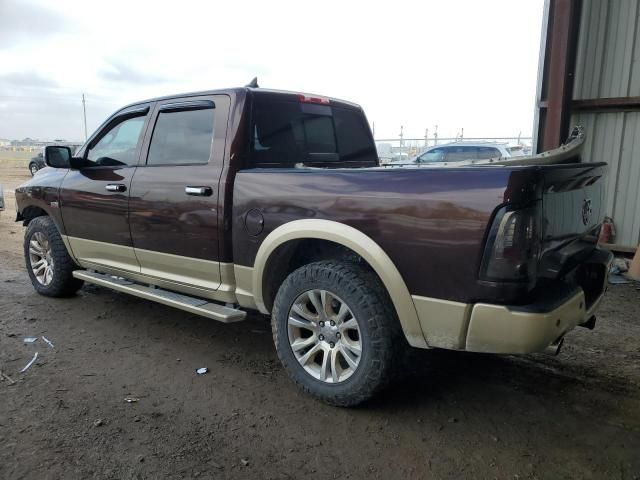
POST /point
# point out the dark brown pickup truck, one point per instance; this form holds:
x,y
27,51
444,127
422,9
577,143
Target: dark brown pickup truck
x,y
249,199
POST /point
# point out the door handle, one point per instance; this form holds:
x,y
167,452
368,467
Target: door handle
x,y
116,187
199,191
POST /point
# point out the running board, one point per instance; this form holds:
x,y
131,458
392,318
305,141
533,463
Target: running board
x,y
199,306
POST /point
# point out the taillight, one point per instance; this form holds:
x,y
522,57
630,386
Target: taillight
x,y
513,245
311,99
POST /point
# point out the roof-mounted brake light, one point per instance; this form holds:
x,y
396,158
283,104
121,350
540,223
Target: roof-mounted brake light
x,y
309,99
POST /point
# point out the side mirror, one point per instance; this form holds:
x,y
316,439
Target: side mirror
x,y
56,156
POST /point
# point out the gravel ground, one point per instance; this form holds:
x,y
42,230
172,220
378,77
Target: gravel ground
x,y
454,415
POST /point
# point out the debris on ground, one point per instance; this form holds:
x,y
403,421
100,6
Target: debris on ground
x,y
35,357
618,267
7,378
244,462
617,279
98,423
30,339
131,399
47,341
202,371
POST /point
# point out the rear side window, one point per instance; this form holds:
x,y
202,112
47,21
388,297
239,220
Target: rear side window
x,y
455,154
182,138
287,132
488,152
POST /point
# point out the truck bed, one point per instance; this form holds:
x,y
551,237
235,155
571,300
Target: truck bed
x,y
433,223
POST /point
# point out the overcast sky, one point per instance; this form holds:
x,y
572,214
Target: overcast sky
x,y
470,64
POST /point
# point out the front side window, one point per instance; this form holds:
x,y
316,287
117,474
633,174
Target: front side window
x,y
435,155
182,138
118,146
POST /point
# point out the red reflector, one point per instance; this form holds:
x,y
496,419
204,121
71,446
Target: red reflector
x,y
310,99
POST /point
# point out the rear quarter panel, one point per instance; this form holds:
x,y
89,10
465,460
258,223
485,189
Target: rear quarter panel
x,y
430,222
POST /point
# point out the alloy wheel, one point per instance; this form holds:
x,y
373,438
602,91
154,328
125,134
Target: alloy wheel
x,y
40,258
324,336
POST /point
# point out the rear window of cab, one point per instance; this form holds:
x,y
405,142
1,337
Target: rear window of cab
x,y
285,133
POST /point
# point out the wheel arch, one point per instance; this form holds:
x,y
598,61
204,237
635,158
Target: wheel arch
x,y
30,212
347,239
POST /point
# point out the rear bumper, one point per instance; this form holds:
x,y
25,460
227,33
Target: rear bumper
x,y
532,328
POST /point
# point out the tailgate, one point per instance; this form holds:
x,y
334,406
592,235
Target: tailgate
x,y
572,211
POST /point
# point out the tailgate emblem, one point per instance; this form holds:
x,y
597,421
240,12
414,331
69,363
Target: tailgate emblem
x,y
586,211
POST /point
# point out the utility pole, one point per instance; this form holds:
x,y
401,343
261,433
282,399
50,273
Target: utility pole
x,y
426,137
401,135
84,113
435,136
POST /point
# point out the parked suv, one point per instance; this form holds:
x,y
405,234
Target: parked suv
x,y
459,151
36,163
226,201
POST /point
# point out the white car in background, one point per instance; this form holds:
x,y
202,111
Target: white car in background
x,y
462,151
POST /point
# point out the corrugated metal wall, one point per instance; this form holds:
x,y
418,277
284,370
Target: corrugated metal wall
x,y
608,65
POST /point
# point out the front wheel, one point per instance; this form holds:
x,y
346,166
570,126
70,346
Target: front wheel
x,y
336,331
49,265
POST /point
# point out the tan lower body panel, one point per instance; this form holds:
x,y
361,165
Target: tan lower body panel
x,y
499,329
186,270
202,278
108,254
244,281
443,322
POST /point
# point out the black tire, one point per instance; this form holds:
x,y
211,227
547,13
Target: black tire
x,y
380,333
33,168
62,282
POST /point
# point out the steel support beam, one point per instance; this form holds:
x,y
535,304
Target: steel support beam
x,y
559,64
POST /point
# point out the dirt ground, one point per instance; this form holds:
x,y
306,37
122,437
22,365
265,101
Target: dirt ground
x,y
454,416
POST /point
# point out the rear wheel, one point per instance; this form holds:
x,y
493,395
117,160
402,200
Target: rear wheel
x,y
33,168
49,265
336,331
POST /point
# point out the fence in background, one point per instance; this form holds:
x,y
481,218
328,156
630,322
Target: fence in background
x,y
390,149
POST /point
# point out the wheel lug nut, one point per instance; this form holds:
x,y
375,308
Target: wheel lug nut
x,y
338,335
331,344
322,324
321,337
333,324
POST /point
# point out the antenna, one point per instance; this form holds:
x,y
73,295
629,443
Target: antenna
x,y
253,83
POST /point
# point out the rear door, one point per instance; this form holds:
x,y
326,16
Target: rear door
x,y
174,200
94,199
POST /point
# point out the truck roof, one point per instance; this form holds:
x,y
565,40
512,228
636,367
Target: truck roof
x,y
244,91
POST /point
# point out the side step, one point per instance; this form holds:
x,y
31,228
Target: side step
x,y
199,306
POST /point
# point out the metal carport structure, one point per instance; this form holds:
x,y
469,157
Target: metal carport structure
x,y
590,75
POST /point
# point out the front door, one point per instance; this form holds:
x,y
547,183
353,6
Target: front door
x,y
94,199
174,203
